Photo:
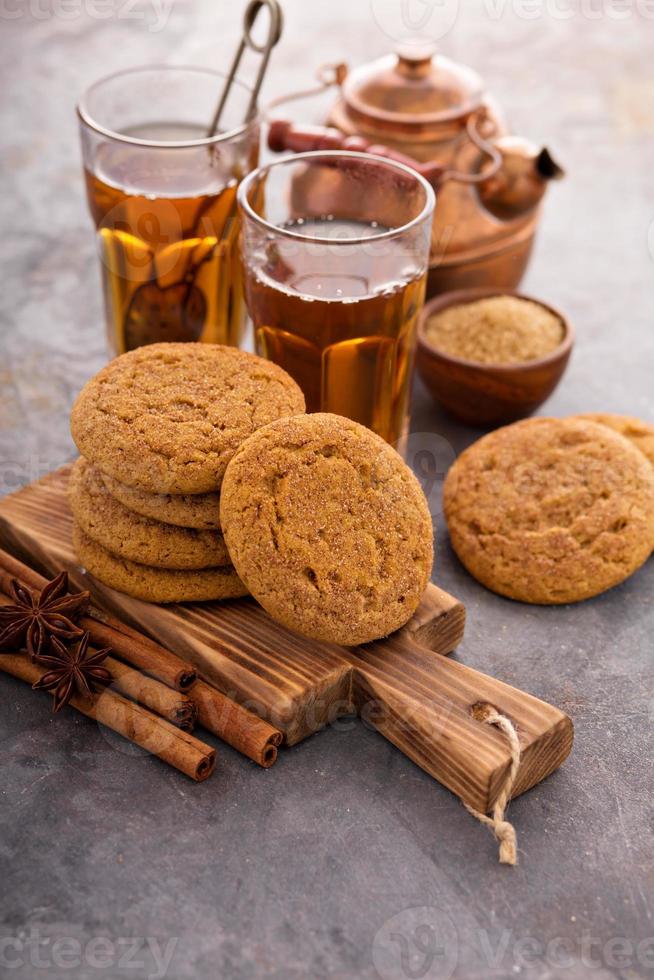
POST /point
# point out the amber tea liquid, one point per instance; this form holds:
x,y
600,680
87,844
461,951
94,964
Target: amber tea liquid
x,y
167,234
347,339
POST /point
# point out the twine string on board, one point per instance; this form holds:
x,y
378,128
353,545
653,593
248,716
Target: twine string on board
x,y
503,830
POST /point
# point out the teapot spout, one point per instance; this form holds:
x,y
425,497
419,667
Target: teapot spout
x,y
547,166
521,180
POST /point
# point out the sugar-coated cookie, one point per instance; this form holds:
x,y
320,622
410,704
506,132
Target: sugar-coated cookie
x,y
328,528
551,510
197,510
167,418
155,584
638,432
124,533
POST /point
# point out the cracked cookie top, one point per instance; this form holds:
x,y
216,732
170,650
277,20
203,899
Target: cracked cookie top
x,y
551,510
328,528
167,418
635,430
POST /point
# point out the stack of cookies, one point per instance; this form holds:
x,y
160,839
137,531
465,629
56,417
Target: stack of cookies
x,y
156,429
201,477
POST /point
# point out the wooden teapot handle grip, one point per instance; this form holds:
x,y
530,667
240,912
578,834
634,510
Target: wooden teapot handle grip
x,y
283,136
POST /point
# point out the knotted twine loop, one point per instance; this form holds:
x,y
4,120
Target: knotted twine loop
x,y
503,830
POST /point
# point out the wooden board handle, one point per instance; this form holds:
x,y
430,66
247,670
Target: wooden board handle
x,y
424,704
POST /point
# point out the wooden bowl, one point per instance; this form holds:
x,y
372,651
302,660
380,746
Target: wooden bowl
x,y
486,395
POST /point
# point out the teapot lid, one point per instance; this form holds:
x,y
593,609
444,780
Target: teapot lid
x,y
415,86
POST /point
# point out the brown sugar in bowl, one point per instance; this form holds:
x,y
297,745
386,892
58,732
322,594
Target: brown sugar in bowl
x,y
485,394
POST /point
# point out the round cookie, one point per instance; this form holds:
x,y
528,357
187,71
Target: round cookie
x,y
167,418
551,510
328,528
197,510
638,432
122,532
155,584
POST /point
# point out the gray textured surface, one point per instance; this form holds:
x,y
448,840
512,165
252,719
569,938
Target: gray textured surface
x,y
291,873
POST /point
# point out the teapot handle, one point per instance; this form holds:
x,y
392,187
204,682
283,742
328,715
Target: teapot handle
x,y
482,144
285,136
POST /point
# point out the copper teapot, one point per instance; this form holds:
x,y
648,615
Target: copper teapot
x,y
433,113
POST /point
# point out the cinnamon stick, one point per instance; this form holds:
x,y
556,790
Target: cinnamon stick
x,y
240,728
234,724
106,631
170,704
134,722
139,651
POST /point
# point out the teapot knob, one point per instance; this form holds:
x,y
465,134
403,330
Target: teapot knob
x,y
414,58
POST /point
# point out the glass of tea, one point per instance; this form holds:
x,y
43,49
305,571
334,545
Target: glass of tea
x,y
162,195
335,248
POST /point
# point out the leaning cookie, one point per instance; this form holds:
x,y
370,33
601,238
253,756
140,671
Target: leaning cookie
x,y
162,585
197,510
128,535
167,418
551,510
636,431
328,528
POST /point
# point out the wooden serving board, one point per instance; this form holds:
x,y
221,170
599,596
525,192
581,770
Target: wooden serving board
x,y
417,698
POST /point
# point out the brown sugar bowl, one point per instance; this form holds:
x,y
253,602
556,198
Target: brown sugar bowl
x,y
482,393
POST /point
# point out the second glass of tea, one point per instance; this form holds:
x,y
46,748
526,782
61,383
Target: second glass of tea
x,y
335,248
162,194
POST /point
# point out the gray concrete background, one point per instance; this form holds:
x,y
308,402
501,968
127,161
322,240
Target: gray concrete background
x,y
302,871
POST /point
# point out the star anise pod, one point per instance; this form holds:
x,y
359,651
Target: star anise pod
x,y
35,618
71,671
